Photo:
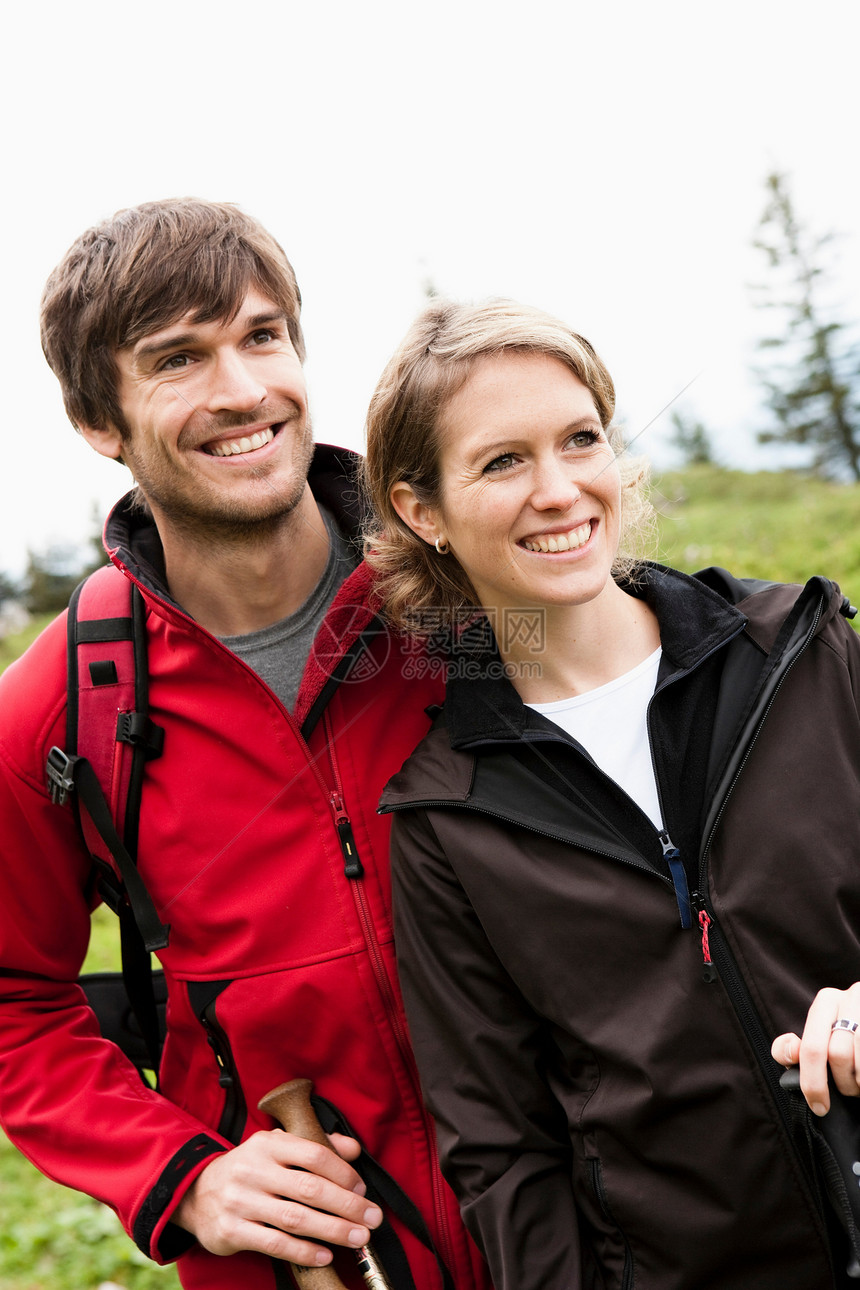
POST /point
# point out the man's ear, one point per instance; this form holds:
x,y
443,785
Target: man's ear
x,y
421,518
107,441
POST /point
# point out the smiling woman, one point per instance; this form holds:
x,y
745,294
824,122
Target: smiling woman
x,y
529,500
610,794
425,399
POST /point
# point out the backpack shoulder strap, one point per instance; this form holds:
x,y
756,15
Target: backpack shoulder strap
x,y
107,682
109,739
382,1189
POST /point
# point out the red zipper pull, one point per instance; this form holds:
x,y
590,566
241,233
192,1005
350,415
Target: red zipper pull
x,y
709,972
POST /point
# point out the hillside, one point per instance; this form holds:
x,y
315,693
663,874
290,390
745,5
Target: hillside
x,y
779,526
11,647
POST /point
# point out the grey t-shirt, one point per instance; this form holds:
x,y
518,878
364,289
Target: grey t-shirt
x,y
278,653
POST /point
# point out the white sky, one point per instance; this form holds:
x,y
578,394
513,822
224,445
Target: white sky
x,y
602,161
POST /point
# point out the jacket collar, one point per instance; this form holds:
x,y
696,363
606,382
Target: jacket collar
x,y
131,537
483,707
132,542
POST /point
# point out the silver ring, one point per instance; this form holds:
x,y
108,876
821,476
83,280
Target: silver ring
x,y
843,1023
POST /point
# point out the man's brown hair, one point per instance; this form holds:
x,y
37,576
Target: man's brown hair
x,y
142,270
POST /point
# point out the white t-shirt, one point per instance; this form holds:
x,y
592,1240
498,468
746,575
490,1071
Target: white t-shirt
x,y
610,723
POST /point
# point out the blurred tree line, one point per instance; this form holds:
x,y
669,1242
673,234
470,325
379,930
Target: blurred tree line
x,y
51,576
810,380
811,373
812,383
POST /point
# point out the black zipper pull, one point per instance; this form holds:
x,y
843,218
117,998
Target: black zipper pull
x,y
234,1113
352,866
672,856
709,972
225,1077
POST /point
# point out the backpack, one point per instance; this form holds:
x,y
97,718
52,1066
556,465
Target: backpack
x,y
109,739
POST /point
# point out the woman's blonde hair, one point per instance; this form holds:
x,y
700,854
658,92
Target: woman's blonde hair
x,y
433,362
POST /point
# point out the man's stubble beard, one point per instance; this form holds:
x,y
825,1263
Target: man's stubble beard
x,y
221,521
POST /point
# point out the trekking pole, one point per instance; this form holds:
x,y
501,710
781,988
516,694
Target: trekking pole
x,y
290,1105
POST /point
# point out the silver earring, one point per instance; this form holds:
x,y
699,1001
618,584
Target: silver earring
x,y
441,546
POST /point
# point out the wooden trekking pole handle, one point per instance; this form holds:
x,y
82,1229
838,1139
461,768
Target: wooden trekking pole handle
x,y
290,1105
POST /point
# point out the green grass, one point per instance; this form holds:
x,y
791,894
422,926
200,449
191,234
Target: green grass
x,y
57,1239
52,1238
12,646
769,525
778,526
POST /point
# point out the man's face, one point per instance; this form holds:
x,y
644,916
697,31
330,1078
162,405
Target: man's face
x,y
218,435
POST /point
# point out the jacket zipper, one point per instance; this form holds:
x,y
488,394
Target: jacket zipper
x,y
677,874
752,742
707,922
352,866
354,870
599,1189
235,1113
671,854
709,972
719,961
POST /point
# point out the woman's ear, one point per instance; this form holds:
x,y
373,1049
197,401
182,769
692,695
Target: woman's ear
x,y
418,516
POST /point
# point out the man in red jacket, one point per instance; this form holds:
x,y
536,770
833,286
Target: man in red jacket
x,y
174,331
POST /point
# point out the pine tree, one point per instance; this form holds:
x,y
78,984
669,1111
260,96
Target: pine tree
x,y
813,389
9,589
691,439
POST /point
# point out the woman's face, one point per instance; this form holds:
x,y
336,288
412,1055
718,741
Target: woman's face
x,y
530,490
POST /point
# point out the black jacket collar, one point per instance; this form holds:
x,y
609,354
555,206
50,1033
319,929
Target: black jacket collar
x,y
482,706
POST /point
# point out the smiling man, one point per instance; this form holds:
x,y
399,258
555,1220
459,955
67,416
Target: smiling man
x,y
215,430
174,331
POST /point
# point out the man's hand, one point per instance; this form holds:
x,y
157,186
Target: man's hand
x,y
821,1047
273,1191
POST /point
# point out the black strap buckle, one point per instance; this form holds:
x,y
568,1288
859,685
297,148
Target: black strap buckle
x,y
60,773
137,729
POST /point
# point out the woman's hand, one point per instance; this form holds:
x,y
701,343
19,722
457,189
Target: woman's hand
x,y
821,1046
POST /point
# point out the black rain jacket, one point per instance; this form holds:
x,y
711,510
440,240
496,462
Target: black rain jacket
x,y
592,1002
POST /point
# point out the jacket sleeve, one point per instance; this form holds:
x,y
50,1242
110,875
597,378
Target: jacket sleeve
x,y
69,1100
484,1060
